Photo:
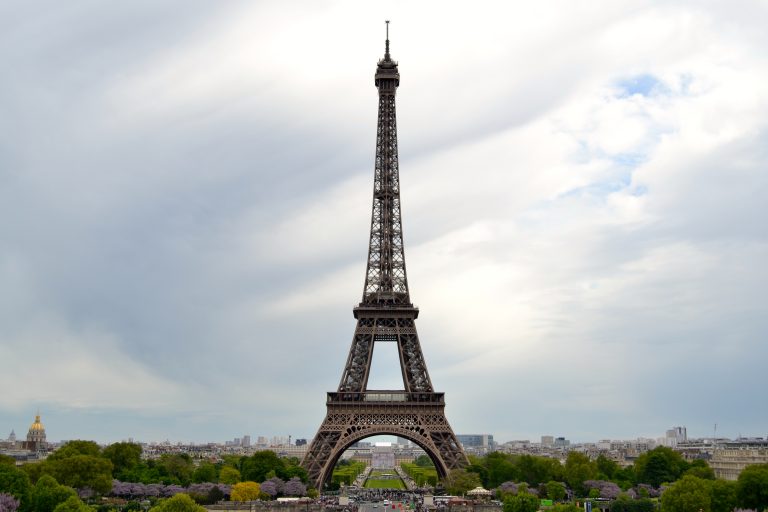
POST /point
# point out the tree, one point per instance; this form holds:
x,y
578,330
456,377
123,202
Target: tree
x,y
701,469
80,471
245,491
47,494
459,481
205,472
15,483
660,465
177,467
72,504
521,502
606,468
579,468
565,507
8,503
603,488
424,461
752,487
272,487
124,457
77,447
229,475
556,491
178,503
689,494
294,487
256,467
723,494
500,469
6,460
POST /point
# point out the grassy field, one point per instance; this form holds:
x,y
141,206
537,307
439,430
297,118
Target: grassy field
x,y
384,484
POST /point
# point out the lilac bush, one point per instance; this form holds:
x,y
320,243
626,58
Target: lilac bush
x,y
508,487
206,487
607,489
8,503
294,487
133,490
269,487
172,490
651,491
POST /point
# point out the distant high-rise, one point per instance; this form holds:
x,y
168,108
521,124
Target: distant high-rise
x,y
675,436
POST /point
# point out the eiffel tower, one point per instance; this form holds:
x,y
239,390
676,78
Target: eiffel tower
x,y
385,315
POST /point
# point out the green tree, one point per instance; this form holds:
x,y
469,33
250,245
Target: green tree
x,y
660,465
565,507
179,503
205,472
606,468
123,456
245,491
752,487
6,460
625,477
229,475
578,469
81,471
521,502
689,494
723,494
501,468
77,447
256,467
72,504
556,491
536,470
48,493
459,481
176,468
477,466
16,483
424,461
701,469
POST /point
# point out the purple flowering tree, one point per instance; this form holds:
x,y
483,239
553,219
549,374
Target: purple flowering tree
x,y
508,487
153,490
294,487
8,503
607,489
647,490
269,487
172,490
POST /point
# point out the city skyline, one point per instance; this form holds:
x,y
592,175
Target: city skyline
x,y
188,188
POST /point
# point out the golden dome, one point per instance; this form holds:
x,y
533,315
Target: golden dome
x,y
37,425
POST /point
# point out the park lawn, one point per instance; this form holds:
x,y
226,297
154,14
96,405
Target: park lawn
x,y
389,483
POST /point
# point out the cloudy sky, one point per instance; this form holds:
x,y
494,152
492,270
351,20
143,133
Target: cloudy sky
x,y
185,192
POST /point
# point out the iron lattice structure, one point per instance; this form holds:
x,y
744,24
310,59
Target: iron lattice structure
x,y
385,314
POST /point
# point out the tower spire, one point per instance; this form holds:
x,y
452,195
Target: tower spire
x,y
386,48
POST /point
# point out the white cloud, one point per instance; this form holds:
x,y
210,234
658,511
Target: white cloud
x,y
582,196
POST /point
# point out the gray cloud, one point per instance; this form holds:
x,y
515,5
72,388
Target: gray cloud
x,y
187,190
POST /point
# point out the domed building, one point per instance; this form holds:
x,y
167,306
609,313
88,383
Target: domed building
x,y
36,436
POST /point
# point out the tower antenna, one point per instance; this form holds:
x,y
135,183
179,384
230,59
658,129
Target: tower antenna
x,y
386,52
